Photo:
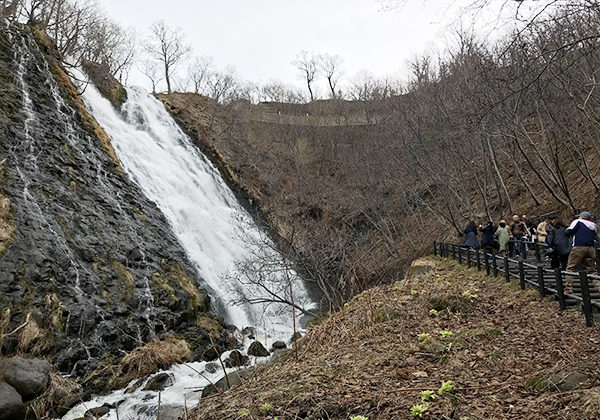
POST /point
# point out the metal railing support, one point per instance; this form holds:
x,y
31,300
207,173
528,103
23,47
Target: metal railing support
x,y
522,274
468,257
495,265
585,294
478,258
560,289
486,258
506,270
540,279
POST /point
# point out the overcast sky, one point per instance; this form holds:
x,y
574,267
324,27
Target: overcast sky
x,y
261,37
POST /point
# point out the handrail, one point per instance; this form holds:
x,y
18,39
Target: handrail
x,y
554,285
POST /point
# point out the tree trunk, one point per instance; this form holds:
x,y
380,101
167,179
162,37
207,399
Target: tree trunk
x,y
167,78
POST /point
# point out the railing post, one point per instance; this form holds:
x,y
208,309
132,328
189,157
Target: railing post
x,y
511,248
468,257
435,249
540,278
495,265
538,255
453,251
560,289
524,250
486,259
478,257
460,255
506,270
521,275
585,294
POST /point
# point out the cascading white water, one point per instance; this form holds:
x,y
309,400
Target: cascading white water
x,y
215,230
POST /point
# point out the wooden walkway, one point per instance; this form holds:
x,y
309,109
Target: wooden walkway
x,y
529,268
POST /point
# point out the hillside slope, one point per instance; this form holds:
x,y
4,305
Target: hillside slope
x,y
510,355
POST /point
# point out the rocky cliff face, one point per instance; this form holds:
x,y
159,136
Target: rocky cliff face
x,y
88,265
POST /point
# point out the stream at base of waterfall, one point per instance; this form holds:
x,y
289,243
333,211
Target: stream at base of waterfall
x,y
225,245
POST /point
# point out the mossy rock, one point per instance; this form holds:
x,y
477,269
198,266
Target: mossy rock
x,y
453,304
562,381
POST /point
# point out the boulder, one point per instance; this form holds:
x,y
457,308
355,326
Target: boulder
x,y
234,378
278,345
96,413
11,403
250,332
212,367
159,382
29,377
562,381
236,359
258,350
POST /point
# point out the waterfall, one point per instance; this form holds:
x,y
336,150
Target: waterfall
x,y
217,233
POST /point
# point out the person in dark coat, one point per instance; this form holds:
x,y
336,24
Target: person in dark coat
x,y
488,241
559,245
470,240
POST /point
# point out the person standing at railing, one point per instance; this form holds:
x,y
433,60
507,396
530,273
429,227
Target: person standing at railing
x,y
470,240
559,245
583,253
542,230
503,237
529,228
487,237
517,231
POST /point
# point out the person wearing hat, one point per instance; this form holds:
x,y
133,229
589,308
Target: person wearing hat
x,y
583,254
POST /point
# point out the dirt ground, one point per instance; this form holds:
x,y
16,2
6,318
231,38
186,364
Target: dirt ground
x,y
507,354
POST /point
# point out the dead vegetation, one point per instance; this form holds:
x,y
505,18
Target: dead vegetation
x,y
375,356
113,373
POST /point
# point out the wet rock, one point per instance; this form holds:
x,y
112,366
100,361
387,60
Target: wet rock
x,y
134,386
212,367
167,412
28,376
96,413
233,379
236,359
136,254
11,403
278,345
250,332
258,350
159,382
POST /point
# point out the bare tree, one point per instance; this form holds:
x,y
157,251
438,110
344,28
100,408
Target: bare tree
x,y
150,68
168,46
199,72
307,64
331,67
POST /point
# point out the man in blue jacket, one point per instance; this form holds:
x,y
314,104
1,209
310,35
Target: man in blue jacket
x,y
583,253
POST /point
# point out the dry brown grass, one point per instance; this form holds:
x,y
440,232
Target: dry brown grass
x,y
61,390
367,359
154,356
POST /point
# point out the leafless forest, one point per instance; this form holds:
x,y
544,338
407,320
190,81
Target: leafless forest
x,y
358,184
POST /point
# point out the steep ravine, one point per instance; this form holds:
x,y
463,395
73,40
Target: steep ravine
x,y
93,266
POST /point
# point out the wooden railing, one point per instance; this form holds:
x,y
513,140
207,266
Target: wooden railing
x,y
545,280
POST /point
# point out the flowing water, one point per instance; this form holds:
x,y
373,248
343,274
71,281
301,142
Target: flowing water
x,y
221,239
